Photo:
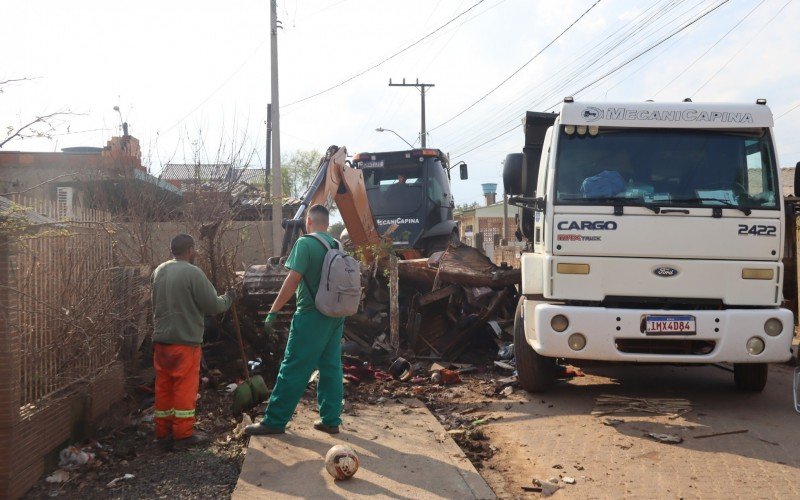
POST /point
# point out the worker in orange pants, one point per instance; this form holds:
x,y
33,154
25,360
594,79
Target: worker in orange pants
x,y
177,380
181,296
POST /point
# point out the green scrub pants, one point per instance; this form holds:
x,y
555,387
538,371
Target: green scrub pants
x,y
315,342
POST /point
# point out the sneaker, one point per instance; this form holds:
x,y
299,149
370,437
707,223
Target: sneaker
x,y
259,429
330,429
196,439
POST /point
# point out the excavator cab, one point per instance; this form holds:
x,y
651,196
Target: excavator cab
x,y
409,194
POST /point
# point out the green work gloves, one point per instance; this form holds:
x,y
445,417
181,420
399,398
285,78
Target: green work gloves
x,y
269,323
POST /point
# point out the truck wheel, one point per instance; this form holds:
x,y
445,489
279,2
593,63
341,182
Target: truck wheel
x,y
750,377
536,373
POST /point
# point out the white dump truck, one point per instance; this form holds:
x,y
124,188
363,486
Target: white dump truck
x,y
654,233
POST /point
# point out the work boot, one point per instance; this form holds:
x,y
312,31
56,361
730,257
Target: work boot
x,y
164,444
196,439
259,429
330,429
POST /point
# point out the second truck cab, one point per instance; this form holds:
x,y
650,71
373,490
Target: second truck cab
x,y
412,190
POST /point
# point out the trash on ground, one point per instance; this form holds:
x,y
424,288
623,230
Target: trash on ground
x,y
504,365
612,422
59,476
568,480
114,482
665,438
547,487
73,457
239,431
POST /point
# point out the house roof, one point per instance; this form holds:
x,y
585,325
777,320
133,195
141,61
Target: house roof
x,y
250,175
199,171
8,207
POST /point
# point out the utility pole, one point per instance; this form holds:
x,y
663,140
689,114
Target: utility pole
x,y
277,196
421,86
267,159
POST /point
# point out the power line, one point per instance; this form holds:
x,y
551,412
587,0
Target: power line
x,y
741,49
214,92
512,75
679,30
597,53
788,111
615,69
385,60
710,48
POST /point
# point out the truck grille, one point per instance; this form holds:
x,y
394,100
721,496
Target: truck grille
x,y
665,346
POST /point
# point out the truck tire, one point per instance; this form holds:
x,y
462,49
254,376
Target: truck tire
x,y
536,373
750,377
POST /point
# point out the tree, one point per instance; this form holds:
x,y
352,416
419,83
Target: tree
x,y
463,207
39,126
336,229
298,170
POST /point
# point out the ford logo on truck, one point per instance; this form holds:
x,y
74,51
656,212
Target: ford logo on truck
x,y
665,272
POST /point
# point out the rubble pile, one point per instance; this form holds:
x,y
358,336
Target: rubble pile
x,y
447,304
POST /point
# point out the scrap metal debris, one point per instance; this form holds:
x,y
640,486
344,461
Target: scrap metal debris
x,y
607,404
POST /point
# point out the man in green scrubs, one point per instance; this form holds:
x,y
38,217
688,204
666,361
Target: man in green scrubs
x,y
315,340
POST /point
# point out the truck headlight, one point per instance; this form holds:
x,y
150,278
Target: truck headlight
x,y
773,327
755,346
559,323
576,341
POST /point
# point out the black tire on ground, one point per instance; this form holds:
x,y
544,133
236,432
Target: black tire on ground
x,y
750,377
536,373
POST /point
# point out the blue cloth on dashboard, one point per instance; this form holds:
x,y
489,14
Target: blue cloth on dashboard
x,y
606,183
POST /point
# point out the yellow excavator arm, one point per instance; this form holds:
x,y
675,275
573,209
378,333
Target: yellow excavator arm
x,y
337,182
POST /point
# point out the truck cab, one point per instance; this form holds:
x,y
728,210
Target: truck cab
x,y
410,190
655,234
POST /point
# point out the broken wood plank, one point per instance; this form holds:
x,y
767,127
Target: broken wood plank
x,y
716,434
436,296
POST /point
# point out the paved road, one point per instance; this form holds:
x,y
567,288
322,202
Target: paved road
x,y
536,434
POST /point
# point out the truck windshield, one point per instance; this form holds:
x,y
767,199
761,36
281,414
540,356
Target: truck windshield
x,y
687,168
394,191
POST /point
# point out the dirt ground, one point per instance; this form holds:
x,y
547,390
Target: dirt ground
x,y
556,436
510,436
124,444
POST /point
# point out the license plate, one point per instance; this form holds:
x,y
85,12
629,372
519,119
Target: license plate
x,y
670,325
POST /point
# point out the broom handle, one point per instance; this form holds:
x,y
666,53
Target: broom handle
x,y
239,338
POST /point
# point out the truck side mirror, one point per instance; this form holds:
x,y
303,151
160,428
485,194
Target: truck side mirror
x,y
513,175
797,179
463,171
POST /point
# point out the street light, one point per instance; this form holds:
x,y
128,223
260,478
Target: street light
x,y
380,129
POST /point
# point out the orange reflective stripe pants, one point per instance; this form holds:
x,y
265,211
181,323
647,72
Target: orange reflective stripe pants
x,y
177,380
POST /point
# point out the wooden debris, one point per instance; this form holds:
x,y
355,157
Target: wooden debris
x,y
716,434
607,404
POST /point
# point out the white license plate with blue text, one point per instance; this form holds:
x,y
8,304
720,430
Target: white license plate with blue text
x,y
670,325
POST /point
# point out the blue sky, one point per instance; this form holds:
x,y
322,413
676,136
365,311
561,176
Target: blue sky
x,y
192,78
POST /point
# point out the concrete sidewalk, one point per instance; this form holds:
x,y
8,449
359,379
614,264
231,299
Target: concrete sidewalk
x,y
404,452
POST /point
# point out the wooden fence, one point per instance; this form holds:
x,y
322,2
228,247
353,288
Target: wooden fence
x,y
65,304
59,212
